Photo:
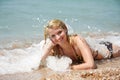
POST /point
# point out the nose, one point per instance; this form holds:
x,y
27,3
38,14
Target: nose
x,y
57,37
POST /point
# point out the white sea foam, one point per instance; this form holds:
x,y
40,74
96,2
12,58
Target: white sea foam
x,y
20,60
58,64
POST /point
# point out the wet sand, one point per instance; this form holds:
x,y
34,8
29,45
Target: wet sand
x,y
107,70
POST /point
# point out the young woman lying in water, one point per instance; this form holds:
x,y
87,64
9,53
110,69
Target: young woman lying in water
x,y
59,43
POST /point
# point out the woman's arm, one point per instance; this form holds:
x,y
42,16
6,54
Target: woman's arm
x,y
86,54
47,49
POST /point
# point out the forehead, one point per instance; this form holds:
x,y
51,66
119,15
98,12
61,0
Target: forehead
x,y
54,30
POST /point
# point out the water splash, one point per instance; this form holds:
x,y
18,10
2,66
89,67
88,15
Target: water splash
x,y
58,64
93,28
20,60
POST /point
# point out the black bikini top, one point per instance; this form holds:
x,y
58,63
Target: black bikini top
x,y
79,58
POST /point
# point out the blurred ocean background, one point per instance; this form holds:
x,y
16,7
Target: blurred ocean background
x,y
26,18
22,21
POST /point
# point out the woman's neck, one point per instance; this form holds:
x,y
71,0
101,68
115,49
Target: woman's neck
x,y
65,45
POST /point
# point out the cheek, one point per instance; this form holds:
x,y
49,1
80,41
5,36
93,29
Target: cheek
x,y
64,35
54,41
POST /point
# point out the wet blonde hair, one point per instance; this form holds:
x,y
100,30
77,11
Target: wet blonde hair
x,y
56,24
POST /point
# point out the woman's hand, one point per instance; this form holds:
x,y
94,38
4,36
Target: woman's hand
x,y
83,66
49,43
48,46
74,67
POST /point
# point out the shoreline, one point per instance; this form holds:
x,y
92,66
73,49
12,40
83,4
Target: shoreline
x,y
107,69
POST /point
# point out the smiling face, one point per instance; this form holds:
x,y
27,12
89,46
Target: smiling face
x,y
57,31
58,36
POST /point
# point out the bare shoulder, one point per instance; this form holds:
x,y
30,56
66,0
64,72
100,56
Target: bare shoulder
x,y
78,39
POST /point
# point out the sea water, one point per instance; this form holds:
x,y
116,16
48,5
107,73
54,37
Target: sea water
x,y
22,23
